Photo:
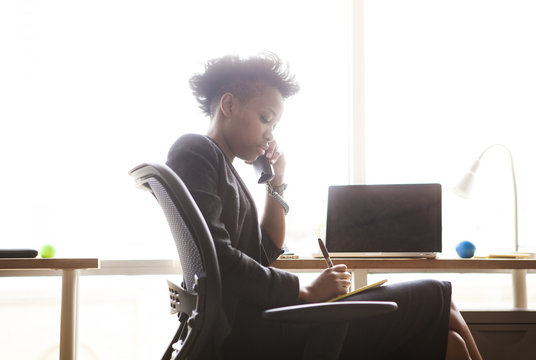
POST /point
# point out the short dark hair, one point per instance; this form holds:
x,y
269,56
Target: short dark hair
x,y
241,77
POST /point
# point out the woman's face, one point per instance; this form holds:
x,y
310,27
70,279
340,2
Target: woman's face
x,y
249,129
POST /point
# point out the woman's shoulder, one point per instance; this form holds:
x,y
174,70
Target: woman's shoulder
x,y
194,145
191,140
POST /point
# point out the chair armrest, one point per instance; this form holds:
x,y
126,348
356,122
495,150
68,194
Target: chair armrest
x,y
329,312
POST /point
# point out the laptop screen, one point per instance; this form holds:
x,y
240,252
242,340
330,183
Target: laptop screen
x,y
384,218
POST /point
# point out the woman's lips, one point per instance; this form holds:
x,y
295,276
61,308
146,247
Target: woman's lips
x,y
263,149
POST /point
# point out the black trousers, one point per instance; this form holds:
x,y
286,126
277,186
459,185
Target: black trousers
x,y
417,330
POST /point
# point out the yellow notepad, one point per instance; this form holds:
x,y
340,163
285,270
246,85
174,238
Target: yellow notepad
x,y
361,289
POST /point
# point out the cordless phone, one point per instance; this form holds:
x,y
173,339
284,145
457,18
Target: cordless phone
x,y
263,168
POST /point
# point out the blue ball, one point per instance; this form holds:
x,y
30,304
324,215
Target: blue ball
x,y
466,249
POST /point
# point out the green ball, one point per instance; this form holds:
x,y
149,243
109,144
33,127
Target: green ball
x,y
47,251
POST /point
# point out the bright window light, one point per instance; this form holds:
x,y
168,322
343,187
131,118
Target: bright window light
x,y
91,89
444,80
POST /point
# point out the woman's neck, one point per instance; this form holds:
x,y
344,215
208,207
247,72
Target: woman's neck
x,y
219,139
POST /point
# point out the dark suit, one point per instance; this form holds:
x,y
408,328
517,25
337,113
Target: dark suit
x,y
418,329
244,251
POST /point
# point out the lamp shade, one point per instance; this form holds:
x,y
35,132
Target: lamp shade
x,y
463,189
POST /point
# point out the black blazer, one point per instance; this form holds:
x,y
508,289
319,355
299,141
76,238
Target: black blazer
x,y
244,251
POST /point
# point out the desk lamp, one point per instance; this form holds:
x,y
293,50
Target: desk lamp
x,y
463,189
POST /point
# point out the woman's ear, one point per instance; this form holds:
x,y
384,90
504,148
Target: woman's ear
x,y
226,104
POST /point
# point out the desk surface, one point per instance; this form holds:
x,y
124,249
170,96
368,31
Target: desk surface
x,y
303,263
56,264
392,263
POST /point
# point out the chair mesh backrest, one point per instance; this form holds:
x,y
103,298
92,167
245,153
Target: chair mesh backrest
x,y
188,253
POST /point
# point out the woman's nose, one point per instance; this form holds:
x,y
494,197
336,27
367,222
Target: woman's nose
x,y
269,136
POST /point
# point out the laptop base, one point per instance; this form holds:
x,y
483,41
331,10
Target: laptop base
x,y
365,255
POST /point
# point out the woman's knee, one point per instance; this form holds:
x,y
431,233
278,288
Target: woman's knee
x,y
456,347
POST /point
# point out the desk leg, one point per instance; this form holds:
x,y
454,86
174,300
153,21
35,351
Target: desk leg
x,y
519,284
69,314
359,278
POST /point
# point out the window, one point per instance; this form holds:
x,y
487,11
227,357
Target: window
x,y
443,81
91,89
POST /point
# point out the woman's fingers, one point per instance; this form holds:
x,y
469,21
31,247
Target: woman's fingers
x,y
273,152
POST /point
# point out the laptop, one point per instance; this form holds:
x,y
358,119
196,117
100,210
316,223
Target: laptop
x,y
402,220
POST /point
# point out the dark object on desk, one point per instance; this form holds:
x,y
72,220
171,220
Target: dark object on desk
x,y
395,220
18,253
198,300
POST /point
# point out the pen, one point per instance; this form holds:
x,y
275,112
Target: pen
x,y
325,252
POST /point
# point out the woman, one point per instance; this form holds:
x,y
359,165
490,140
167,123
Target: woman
x,y
244,99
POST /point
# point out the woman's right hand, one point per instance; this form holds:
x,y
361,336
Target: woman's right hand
x,y
333,281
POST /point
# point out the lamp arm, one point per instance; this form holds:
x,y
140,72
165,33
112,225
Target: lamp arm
x,y
514,184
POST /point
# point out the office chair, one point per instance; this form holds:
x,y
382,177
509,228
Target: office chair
x,y
197,302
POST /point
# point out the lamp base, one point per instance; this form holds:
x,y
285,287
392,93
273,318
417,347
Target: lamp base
x,y
513,255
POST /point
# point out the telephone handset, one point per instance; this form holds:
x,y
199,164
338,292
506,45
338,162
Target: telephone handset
x,y
263,168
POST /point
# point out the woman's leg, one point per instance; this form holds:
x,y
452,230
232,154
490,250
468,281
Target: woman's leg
x,y
456,347
417,330
458,332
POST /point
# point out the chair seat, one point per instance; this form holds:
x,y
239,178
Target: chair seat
x,y
330,311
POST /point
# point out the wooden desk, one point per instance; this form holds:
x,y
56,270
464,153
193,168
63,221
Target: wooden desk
x,y
69,292
360,268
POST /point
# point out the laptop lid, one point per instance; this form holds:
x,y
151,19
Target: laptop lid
x,y
384,219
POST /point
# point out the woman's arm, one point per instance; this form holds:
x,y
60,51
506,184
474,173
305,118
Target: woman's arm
x,y
331,282
273,219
